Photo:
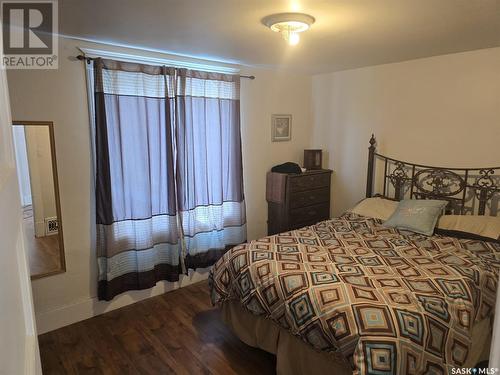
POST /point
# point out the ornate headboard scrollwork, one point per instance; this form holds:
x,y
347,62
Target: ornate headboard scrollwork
x,y
467,190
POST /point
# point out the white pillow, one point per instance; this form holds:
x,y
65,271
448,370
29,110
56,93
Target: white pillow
x,y
485,226
379,208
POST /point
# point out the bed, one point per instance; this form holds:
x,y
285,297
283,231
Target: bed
x,y
349,295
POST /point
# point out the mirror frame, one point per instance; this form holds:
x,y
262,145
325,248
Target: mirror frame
x,y
50,126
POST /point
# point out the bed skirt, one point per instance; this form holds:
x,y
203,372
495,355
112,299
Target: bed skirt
x,y
294,357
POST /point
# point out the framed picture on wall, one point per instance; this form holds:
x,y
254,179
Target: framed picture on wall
x,y
281,128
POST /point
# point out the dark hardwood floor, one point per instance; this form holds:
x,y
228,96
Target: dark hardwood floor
x,y
176,333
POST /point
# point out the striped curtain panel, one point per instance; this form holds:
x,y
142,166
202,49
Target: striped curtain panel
x,y
209,166
169,186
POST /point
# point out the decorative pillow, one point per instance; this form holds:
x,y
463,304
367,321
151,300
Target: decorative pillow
x,y
417,215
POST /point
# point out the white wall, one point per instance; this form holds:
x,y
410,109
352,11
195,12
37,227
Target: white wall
x,y
271,92
442,110
18,341
60,96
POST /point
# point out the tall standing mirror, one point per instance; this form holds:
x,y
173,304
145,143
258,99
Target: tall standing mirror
x,y
36,165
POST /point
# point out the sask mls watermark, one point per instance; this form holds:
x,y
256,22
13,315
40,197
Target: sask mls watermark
x,y
29,34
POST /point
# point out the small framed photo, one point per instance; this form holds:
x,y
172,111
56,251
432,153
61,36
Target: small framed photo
x,y
281,129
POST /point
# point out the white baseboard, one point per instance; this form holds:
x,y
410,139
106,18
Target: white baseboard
x,y
39,228
47,321
32,356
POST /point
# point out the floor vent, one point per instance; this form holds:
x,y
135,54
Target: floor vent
x,y
51,226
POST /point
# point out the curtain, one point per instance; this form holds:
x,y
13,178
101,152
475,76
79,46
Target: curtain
x,y
209,164
168,172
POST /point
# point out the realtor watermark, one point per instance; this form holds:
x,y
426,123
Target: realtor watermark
x,y
475,371
30,30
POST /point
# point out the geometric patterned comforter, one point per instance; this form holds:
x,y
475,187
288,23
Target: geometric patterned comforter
x,y
388,301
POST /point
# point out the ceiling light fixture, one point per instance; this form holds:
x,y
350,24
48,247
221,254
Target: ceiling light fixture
x,y
289,25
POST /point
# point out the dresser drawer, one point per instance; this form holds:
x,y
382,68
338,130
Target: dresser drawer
x,y
309,197
309,181
309,215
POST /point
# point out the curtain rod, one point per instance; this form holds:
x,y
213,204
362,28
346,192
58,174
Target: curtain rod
x,y
88,59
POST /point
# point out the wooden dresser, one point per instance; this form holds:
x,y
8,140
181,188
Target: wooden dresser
x,y
297,200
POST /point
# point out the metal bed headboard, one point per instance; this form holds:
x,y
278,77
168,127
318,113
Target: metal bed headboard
x,y
473,191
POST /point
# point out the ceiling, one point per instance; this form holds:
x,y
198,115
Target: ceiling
x,y
347,33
